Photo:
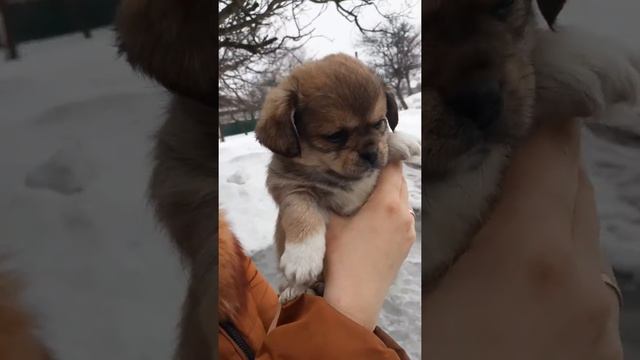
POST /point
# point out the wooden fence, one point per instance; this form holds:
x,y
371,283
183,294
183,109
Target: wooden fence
x,y
36,19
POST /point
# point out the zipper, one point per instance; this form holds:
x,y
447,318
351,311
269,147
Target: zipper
x,y
237,338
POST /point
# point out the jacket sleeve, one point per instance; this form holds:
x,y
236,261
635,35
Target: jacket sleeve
x,y
310,328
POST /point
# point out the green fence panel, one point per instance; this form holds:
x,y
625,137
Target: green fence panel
x,y
46,18
238,127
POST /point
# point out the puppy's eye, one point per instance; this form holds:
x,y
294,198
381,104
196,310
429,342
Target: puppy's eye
x,y
502,9
339,137
380,124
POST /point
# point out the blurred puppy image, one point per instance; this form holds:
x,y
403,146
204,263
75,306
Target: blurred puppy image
x,y
18,340
490,73
181,56
328,127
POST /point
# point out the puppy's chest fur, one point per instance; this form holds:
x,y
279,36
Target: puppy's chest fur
x,y
345,201
331,193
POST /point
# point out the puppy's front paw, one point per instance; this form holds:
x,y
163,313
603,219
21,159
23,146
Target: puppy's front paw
x,y
291,292
574,78
302,261
403,146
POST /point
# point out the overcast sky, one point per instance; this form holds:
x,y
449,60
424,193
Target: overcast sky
x,y
336,34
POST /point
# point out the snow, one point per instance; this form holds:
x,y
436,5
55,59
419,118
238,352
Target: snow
x,y
75,129
614,168
242,158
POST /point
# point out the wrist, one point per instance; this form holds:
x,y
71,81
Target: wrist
x,y
355,307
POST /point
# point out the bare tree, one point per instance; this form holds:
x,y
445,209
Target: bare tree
x,y
248,93
255,35
395,53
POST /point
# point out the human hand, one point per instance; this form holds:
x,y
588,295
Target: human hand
x,y
530,287
365,252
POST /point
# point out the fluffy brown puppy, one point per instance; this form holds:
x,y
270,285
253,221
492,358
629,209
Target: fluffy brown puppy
x,y
489,74
174,43
328,126
17,327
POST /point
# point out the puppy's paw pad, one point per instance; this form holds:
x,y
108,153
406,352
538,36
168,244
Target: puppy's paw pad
x,y
302,263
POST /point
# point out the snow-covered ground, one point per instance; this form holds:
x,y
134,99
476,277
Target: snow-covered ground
x,y
252,214
615,169
75,129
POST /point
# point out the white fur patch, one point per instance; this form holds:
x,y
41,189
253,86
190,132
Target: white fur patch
x,y
348,202
592,75
302,262
403,146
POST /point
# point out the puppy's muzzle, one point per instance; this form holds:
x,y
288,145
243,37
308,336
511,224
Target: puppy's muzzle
x,y
370,158
478,103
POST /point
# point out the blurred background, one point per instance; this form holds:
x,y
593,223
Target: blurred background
x,y
75,134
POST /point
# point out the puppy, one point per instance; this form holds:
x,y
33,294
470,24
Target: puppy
x,y
182,57
489,74
328,127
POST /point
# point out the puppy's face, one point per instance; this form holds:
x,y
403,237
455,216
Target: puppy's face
x,y
332,114
479,82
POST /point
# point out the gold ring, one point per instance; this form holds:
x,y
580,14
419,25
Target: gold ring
x,y
612,284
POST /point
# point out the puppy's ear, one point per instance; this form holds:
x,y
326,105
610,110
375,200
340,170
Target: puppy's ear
x,y
276,128
550,10
392,109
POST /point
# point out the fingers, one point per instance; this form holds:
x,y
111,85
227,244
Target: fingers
x,y
586,215
336,225
542,180
389,182
404,192
391,187
586,227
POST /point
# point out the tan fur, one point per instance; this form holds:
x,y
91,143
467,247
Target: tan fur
x,y
462,162
311,174
174,43
17,327
183,189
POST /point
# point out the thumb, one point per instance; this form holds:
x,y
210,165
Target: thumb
x,y
542,179
336,225
389,183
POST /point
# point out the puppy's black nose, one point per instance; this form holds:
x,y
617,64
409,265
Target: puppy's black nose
x,y
371,157
480,103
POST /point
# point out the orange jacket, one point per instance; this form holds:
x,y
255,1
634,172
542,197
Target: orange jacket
x,y
307,328
17,326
